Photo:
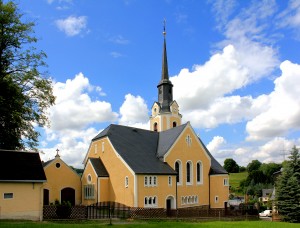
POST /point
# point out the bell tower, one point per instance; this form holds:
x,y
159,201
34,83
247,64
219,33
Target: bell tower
x,y
165,112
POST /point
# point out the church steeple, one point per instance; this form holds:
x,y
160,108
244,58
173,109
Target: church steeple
x,y
165,112
165,93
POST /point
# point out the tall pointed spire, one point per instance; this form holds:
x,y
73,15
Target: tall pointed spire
x,y
164,72
165,94
165,112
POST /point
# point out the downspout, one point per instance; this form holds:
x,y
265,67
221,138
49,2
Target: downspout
x,y
176,197
208,191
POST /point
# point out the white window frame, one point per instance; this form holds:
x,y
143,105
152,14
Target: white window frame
x,y
89,178
201,172
103,147
169,180
216,199
150,181
188,140
191,173
96,148
89,191
180,171
150,201
8,195
226,182
126,182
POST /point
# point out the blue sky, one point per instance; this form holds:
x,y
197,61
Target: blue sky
x,y
235,66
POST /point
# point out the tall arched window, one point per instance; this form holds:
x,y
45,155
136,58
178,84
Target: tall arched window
x,y
188,172
199,172
155,126
174,124
178,171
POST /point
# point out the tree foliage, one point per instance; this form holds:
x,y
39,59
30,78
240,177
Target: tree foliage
x,y
25,90
288,188
253,165
231,166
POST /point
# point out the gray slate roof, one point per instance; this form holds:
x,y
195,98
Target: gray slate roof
x,y
215,168
20,166
99,167
142,149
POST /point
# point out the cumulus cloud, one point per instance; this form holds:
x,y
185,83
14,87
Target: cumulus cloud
x,y
72,145
71,118
134,111
283,112
215,144
74,108
72,25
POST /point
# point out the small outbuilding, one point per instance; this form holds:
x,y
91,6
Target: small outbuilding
x,y
21,185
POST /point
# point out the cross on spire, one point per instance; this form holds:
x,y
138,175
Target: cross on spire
x,y
57,150
164,32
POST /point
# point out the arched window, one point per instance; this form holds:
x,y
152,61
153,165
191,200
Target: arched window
x,y
155,126
199,172
174,124
178,171
189,173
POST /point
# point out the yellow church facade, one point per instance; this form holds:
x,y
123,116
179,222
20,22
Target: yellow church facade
x,y
167,166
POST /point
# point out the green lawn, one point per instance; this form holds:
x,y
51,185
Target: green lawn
x,y
150,224
236,178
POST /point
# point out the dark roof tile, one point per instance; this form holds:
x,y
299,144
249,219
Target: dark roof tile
x,y
20,166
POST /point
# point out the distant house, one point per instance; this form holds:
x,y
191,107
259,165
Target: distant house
x,y
21,185
266,195
63,183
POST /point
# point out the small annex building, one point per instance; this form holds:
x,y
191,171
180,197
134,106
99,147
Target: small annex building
x,y
63,183
21,185
167,166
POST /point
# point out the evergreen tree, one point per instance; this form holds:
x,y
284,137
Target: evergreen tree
x,y
288,188
25,90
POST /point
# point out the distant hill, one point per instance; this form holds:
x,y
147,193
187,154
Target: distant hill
x,y
234,181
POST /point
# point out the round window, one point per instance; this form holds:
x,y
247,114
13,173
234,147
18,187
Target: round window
x,y
89,178
57,165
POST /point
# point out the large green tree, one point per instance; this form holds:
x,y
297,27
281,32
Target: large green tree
x,y
288,188
25,89
231,166
253,165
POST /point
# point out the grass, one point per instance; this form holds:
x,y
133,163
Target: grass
x,y
236,178
150,224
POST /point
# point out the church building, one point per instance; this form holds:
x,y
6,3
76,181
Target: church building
x,y
167,166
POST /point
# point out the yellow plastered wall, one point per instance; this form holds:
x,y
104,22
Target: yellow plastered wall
x,y
118,171
88,170
161,191
27,201
59,178
193,152
219,192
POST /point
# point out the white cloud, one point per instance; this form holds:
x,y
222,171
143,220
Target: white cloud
x,y
283,112
215,144
72,25
72,145
74,108
291,16
134,111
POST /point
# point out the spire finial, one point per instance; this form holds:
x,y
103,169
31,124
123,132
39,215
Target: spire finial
x,y
164,32
57,155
